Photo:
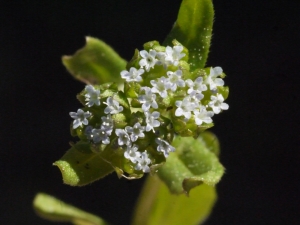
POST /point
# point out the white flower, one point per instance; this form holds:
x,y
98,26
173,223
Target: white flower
x,y
132,75
173,55
97,135
100,135
148,99
143,162
162,59
185,107
113,106
132,153
195,98
212,79
124,138
92,96
107,123
80,118
151,120
164,147
217,103
203,116
175,79
197,85
148,59
135,132
160,86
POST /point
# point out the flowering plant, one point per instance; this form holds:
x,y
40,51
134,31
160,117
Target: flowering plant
x,y
149,115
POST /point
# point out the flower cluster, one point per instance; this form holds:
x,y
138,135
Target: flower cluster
x,y
161,98
195,100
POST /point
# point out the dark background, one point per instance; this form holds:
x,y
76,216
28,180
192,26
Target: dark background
x,y
255,42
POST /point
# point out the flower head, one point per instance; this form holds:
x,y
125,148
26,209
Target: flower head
x,y
143,162
132,153
135,132
217,103
196,86
80,118
212,80
160,86
92,96
185,107
195,98
164,147
175,79
148,59
124,138
100,135
203,116
113,106
132,75
161,56
151,120
149,99
173,55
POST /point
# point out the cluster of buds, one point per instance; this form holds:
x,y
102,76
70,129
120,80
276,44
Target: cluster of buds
x,y
160,98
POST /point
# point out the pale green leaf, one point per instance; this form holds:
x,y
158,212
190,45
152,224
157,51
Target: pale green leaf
x,y
193,29
192,164
80,166
53,209
95,63
156,205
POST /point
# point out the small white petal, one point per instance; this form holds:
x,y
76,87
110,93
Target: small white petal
x,y
160,86
212,80
148,59
80,118
132,153
147,100
92,96
151,120
217,103
164,147
173,55
124,138
143,163
113,106
132,75
203,116
135,132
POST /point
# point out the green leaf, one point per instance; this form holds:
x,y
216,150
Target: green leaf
x,y
54,209
80,166
192,164
95,63
156,205
211,142
193,29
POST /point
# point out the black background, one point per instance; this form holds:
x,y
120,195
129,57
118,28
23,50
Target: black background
x,y
255,42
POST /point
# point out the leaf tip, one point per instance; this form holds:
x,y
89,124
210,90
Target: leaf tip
x,y
68,174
